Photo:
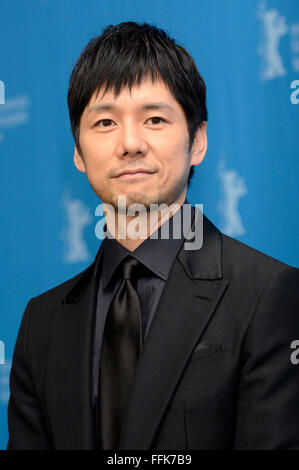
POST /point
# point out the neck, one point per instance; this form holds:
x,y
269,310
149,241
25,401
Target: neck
x,y
131,230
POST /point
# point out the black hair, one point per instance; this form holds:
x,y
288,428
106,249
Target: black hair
x,y
121,57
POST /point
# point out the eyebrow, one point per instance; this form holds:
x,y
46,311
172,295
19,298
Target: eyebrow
x,y
112,107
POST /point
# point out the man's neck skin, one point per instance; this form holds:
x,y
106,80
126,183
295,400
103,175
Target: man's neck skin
x,y
121,223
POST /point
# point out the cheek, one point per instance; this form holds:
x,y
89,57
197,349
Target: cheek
x,y
94,153
177,159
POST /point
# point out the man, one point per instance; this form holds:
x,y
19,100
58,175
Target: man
x,y
193,351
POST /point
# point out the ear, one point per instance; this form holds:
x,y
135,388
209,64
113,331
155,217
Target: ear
x,y
200,144
79,161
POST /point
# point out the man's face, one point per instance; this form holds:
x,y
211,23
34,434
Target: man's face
x,y
144,130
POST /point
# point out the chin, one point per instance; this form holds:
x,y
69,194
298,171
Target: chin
x,y
136,198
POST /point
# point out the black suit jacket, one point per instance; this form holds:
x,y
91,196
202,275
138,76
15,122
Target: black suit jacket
x,y
215,371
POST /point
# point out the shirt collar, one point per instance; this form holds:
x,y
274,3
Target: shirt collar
x,y
157,254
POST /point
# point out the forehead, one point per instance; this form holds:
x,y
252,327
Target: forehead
x,y
146,94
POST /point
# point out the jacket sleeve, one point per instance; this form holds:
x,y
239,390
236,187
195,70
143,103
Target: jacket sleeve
x,y
268,397
25,420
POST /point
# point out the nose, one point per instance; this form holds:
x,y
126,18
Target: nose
x,y
131,141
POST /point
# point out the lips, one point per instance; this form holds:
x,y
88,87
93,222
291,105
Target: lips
x,y
135,172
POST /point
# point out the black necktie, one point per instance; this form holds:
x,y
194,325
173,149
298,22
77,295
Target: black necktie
x,y
122,342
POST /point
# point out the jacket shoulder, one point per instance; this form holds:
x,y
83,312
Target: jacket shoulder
x,y
57,293
240,258
39,311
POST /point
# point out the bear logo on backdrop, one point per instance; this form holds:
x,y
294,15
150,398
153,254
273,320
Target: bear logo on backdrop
x,y
274,30
77,217
233,188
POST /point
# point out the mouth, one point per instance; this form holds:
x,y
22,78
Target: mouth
x,y
134,174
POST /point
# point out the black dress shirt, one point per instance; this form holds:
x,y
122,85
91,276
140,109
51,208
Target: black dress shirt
x,y
157,256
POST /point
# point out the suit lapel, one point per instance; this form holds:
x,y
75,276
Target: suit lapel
x,y
189,299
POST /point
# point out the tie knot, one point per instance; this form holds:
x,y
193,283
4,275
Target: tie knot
x,y
130,268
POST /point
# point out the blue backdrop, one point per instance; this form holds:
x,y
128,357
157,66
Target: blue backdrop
x,y
248,54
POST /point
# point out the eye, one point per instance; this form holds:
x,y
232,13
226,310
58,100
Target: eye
x,y
156,120
103,123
